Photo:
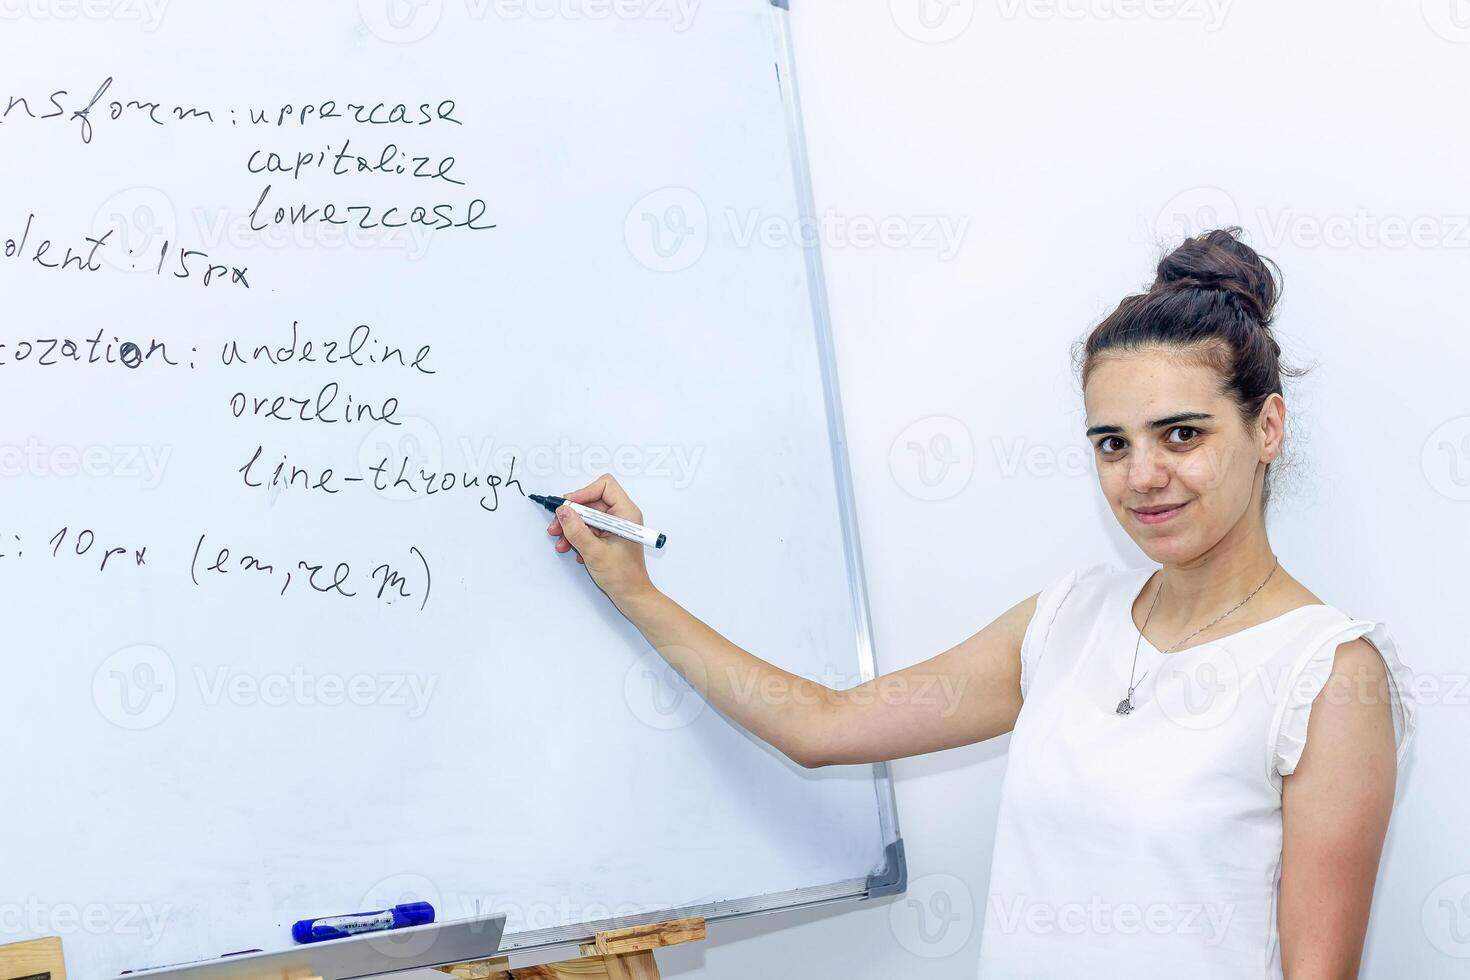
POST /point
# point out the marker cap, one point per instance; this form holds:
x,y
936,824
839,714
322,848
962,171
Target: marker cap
x,y
412,914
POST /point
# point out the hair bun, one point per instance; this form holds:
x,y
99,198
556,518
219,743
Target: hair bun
x,y
1219,260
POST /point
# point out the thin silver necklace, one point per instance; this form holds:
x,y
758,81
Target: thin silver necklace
x,y
1126,705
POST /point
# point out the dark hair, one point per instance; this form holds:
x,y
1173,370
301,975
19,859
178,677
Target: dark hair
x,y
1213,299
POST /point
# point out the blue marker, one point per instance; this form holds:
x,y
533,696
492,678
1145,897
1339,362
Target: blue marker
x,y
342,926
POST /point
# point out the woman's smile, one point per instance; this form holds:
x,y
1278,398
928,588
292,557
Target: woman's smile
x,y
1152,516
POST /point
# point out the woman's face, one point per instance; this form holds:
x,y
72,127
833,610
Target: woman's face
x,y
1174,461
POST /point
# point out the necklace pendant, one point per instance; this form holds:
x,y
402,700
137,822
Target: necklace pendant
x,y
1125,705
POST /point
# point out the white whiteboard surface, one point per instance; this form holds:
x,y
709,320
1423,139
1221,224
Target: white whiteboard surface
x,y
195,759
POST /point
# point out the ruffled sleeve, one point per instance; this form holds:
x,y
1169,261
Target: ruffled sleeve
x,y
1307,677
1048,603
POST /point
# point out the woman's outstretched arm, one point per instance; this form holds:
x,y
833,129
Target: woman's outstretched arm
x,y
966,694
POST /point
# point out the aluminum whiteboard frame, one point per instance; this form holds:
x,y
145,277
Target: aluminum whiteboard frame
x,y
371,954
892,879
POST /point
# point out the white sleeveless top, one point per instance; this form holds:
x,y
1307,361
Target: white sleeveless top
x,y
1149,844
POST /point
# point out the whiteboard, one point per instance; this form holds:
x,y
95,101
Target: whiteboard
x,y
234,699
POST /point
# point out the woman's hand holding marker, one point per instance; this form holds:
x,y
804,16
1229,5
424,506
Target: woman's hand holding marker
x,y
615,563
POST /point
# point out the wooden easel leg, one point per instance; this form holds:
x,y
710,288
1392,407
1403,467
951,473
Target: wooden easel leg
x,y
621,954
35,959
631,966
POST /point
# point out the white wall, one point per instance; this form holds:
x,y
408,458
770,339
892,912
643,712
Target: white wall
x,y
1067,140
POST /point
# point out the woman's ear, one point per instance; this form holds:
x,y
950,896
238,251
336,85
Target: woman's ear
x,y
1272,425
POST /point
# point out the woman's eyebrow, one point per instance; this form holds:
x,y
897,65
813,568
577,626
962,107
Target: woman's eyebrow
x,y
1169,420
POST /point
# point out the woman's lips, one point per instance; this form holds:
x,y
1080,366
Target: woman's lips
x,y
1160,517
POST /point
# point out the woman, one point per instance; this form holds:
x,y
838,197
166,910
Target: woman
x,y
1163,811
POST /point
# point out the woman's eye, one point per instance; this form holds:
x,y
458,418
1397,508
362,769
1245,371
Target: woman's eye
x,y
1113,444
1194,433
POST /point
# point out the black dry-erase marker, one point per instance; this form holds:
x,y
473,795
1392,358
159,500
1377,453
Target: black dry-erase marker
x,y
606,522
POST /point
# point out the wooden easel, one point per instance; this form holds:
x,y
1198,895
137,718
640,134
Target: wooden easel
x,y
618,954
38,959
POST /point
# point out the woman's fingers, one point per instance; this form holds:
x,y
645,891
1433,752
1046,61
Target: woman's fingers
x,y
606,494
